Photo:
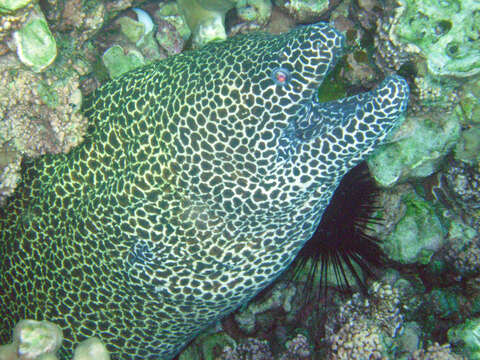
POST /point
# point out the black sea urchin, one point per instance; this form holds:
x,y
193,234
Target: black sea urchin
x,y
341,243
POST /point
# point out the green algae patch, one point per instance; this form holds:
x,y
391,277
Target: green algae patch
x,y
417,235
446,33
36,46
10,6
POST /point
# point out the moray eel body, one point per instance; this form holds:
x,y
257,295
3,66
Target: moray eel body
x,y
200,180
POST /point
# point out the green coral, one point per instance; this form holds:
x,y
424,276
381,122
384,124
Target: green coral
x,y
304,10
9,6
468,148
118,63
171,13
206,18
425,140
446,33
254,10
468,336
36,46
417,235
133,30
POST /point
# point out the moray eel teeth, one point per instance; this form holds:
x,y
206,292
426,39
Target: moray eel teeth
x,y
201,178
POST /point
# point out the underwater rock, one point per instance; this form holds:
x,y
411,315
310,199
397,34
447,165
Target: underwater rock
x,y
463,249
10,6
33,340
132,29
423,142
462,188
37,116
364,328
118,62
206,18
91,349
445,33
35,44
281,296
436,352
257,11
304,10
467,148
467,336
417,235
81,22
249,349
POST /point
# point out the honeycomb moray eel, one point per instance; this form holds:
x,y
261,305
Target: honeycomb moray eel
x,y
200,180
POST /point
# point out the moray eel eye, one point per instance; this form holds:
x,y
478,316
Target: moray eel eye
x,y
281,76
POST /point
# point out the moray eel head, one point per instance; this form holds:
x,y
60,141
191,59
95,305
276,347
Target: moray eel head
x,y
200,180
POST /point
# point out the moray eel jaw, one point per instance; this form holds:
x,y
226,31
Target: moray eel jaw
x,y
357,124
200,180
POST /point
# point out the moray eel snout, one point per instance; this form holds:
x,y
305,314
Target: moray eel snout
x,y
319,120
201,178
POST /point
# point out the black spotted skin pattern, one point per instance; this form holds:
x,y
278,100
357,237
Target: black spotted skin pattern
x,y
201,178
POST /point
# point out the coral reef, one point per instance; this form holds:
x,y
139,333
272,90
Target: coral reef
x,y
173,30
364,328
462,249
33,340
298,348
12,17
304,10
421,144
38,115
80,22
257,11
91,349
206,18
444,33
417,235
40,340
282,295
462,182
118,63
467,336
252,349
437,352
10,6
35,45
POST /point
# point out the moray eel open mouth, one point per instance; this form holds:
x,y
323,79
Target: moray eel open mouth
x,y
200,180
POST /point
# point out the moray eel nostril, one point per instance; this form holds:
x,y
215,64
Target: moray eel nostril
x,y
201,178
